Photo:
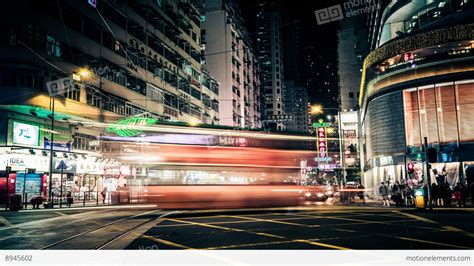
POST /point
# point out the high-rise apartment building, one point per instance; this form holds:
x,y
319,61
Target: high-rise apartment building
x,y
145,57
296,105
231,59
351,50
270,54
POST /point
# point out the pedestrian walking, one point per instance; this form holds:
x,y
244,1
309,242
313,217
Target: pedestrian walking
x,y
440,177
397,194
435,194
69,198
410,196
447,195
104,194
383,191
360,192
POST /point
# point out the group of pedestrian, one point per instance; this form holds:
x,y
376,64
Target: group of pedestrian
x,y
441,194
402,194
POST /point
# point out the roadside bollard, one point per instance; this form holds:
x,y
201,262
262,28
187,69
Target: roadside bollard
x,y
419,198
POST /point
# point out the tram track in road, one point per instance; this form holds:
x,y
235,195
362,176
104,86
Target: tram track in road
x,y
107,235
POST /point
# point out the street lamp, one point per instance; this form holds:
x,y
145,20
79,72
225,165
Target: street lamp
x,y
316,109
85,73
194,122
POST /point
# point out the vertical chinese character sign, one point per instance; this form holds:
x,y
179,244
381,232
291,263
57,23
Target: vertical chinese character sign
x,y
322,142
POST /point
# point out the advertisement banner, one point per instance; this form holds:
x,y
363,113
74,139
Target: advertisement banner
x,y
62,139
31,184
19,162
25,134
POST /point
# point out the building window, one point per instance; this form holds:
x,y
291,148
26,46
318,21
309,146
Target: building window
x,y
269,105
53,46
351,95
74,93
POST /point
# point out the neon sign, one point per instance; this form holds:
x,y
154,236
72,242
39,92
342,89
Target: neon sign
x,y
128,127
322,142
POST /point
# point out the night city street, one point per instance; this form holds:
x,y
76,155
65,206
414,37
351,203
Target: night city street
x,y
318,227
237,132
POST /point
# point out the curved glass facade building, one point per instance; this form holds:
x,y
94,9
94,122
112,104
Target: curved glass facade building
x,y
417,84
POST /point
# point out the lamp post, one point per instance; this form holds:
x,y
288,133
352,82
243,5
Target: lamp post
x,y
82,73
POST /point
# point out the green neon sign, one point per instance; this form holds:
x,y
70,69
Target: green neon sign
x,y
127,126
316,125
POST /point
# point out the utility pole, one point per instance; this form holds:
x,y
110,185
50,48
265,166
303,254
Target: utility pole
x,y
8,169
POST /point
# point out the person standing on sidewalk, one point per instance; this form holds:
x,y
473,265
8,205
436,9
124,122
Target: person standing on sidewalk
x,y
69,198
397,194
458,194
104,194
383,191
448,194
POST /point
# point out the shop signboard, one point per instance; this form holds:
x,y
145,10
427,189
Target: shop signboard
x,y
19,162
65,147
25,134
89,167
322,142
70,165
327,167
62,139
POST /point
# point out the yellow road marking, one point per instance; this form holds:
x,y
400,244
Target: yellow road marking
x,y
457,230
348,219
5,221
431,242
205,225
265,234
345,230
276,221
257,233
416,217
252,245
321,244
166,242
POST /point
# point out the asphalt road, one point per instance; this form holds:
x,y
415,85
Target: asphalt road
x,y
313,227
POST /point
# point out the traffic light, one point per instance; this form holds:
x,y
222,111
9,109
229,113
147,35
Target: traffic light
x,y
411,168
432,155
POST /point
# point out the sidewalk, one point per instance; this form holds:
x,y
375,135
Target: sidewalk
x,y
378,203
75,205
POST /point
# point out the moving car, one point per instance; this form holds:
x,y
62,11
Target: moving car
x,y
316,194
